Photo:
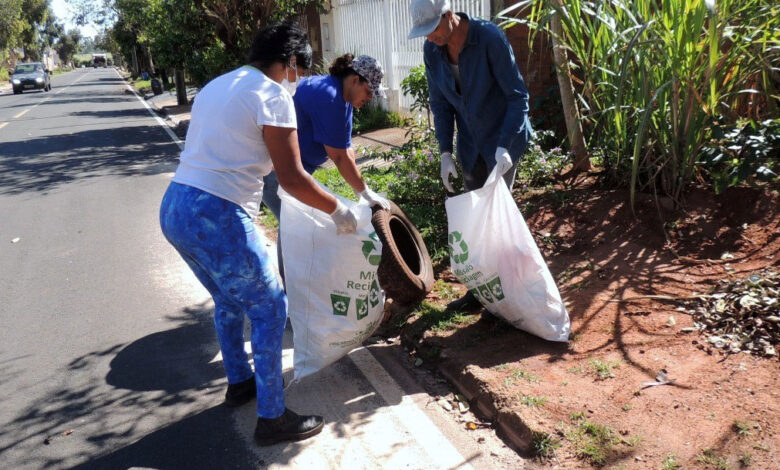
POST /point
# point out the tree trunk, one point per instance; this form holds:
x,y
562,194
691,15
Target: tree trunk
x,y
570,109
149,61
135,72
164,77
181,88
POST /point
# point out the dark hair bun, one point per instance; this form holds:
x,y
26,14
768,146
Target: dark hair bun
x,y
342,66
279,43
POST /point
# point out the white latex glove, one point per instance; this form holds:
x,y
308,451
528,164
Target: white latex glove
x,y
503,160
448,169
344,219
374,199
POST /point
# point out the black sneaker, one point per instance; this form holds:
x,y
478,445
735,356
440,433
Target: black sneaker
x,y
287,427
466,303
240,393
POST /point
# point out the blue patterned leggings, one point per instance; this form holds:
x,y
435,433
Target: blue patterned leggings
x,y
221,245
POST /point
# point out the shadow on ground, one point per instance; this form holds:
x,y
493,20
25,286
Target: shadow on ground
x,y
44,163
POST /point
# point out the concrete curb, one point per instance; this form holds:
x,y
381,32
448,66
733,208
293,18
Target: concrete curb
x,y
509,425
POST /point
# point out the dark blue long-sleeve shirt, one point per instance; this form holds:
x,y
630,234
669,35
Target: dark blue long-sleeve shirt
x,y
491,109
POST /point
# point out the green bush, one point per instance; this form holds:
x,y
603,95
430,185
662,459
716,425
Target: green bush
x,y
416,85
539,167
372,117
3,74
747,151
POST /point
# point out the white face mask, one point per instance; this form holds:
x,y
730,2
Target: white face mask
x,y
291,86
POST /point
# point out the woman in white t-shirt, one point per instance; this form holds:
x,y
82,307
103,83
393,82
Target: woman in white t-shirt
x,y
243,126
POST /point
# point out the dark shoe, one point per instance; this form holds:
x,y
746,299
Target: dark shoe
x,y
287,427
240,393
464,304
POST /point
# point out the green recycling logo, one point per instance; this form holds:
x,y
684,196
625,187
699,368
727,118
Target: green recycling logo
x,y
496,289
373,294
362,308
371,251
459,250
340,304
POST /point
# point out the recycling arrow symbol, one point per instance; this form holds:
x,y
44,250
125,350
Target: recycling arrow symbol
x,y
459,250
370,250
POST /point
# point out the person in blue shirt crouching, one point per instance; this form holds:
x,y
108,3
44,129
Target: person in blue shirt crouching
x,y
473,81
324,105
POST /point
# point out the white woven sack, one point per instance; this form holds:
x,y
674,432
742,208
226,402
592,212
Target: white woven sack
x,y
493,253
334,298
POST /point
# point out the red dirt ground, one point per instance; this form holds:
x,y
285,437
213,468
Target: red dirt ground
x,y
602,255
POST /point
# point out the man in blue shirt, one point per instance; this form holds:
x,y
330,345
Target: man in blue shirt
x,y
473,81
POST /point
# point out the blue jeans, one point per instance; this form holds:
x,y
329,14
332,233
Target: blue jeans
x,y
222,246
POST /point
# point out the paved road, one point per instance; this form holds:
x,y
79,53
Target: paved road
x,y
108,357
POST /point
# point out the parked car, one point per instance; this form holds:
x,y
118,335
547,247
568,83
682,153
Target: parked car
x,y
30,76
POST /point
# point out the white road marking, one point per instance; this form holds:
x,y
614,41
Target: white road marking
x,y
165,126
42,101
417,423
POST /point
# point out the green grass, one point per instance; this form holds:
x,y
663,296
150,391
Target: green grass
x,y
603,369
670,462
745,460
437,319
524,375
711,457
444,290
532,401
592,442
545,445
332,179
142,85
268,220
742,428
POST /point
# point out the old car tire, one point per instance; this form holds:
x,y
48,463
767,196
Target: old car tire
x,y
405,271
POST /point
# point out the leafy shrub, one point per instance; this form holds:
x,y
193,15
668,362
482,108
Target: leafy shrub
x,y
416,85
372,116
539,167
742,152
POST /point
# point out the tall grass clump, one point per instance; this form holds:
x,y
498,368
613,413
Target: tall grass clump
x,y
654,77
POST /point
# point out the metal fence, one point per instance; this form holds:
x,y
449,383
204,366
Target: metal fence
x,y
379,28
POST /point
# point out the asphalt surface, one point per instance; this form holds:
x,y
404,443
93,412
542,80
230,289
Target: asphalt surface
x,y
108,357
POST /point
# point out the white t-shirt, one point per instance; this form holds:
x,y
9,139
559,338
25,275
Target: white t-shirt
x,y
224,153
